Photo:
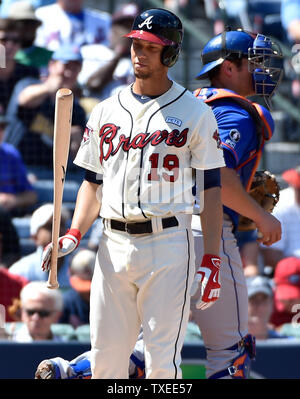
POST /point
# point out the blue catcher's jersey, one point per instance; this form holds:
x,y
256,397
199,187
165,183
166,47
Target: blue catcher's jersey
x,y
243,128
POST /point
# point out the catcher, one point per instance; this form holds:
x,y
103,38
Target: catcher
x,y
238,65
80,367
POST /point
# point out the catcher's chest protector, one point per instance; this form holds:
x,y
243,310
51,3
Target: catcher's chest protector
x,y
263,128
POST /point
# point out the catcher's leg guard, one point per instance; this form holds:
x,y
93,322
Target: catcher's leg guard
x,y
240,366
81,369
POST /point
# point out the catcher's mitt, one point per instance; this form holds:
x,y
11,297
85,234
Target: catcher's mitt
x,y
45,370
265,190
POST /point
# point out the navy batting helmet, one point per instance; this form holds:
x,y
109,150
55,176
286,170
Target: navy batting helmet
x,y
160,26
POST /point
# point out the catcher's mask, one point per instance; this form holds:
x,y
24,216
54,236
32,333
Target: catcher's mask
x,y
265,64
264,58
160,26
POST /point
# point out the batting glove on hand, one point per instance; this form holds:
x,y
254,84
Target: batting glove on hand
x,y
66,244
208,278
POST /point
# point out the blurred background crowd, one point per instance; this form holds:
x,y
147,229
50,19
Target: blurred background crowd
x,y
49,44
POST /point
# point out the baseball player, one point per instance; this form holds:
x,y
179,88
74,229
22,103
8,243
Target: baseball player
x,y
80,367
143,149
237,64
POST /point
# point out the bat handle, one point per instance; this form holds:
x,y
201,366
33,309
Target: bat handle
x,y
52,278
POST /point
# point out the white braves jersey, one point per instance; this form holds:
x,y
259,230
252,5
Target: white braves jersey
x,y
146,152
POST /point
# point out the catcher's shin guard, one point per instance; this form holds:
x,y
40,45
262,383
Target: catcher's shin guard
x,y
240,366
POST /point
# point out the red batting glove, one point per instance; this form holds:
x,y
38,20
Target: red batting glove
x,y
66,244
208,278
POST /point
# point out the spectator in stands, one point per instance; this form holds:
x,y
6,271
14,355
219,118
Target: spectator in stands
x,y
288,213
290,17
40,230
69,22
77,300
6,4
17,195
40,308
12,71
231,13
108,68
33,106
9,241
10,288
287,291
260,307
22,12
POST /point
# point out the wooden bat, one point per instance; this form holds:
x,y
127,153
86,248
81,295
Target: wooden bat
x,y
61,144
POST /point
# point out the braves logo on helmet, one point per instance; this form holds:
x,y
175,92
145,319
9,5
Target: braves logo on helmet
x,y
147,22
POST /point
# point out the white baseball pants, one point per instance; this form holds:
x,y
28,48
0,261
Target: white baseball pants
x,y
141,280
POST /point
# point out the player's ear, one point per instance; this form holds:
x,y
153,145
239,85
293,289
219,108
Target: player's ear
x,y
226,68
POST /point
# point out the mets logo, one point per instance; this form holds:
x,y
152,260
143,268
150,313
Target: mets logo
x,y
147,22
110,147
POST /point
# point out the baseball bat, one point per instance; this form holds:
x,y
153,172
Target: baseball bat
x,y
61,145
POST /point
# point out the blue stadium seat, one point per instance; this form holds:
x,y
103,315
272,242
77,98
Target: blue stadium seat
x,y
42,173
82,333
44,189
290,330
27,246
65,331
22,226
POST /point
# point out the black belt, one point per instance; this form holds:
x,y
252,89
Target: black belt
x,y
141,227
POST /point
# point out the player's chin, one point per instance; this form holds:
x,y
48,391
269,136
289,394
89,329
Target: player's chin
x,y
141,74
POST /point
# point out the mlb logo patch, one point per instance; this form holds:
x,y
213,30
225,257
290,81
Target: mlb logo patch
x,y
173,120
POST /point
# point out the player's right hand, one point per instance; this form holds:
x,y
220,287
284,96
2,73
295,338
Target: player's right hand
x,y
208,279
66,244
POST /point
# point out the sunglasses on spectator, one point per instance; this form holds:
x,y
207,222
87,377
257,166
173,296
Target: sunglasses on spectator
x,y
41,313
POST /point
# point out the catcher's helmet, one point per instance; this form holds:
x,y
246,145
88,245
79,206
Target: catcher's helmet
x,y
222,47
160,26
264,58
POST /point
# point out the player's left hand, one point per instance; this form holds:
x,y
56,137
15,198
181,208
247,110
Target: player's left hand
x,y
66,244
208,279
